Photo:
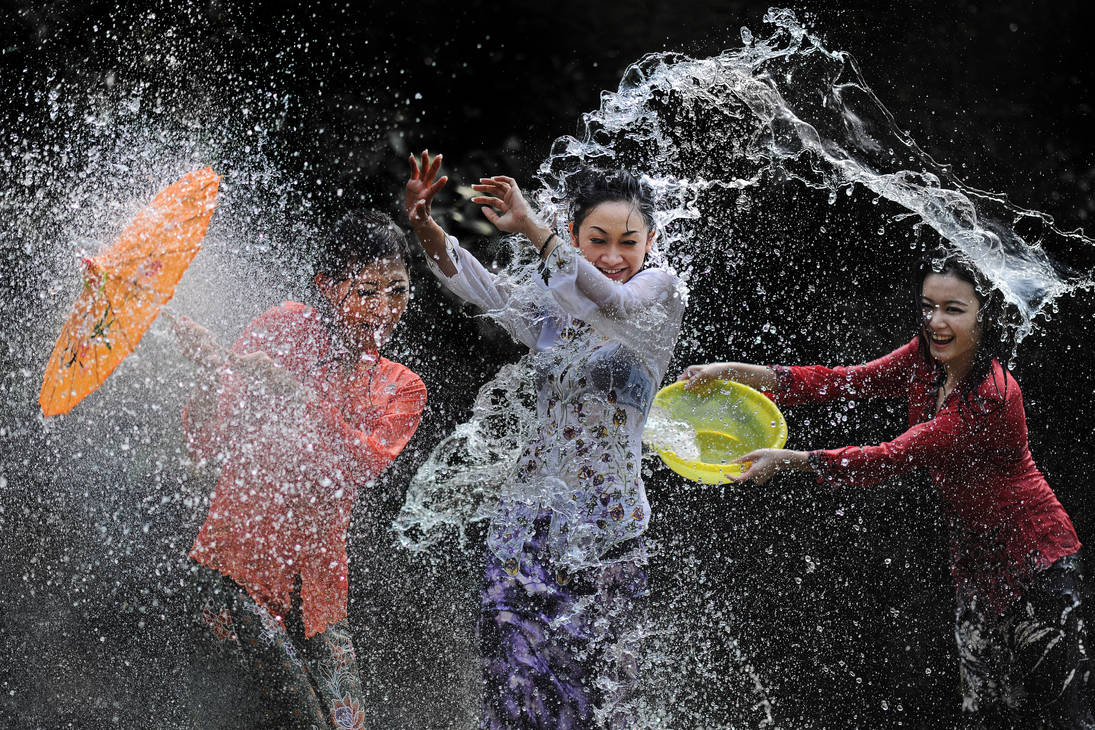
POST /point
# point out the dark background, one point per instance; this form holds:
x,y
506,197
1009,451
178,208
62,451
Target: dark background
x,y
840,602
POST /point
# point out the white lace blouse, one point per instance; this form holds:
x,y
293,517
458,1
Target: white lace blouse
x,y
600,351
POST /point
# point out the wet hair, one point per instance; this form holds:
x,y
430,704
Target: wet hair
x,y
996,341
593,187
358,239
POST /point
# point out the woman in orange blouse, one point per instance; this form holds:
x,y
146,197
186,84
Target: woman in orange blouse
x,y
301,412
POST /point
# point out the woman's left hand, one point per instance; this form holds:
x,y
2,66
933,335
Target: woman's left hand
x,y
506,207
764,463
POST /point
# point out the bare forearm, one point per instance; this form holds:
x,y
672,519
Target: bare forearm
x,y
760,377
432,237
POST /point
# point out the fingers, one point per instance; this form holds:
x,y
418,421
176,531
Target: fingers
x,y
752,457
486,186
490,214
753,472
695,376
485,200
414,168
432,190
687,373
434,168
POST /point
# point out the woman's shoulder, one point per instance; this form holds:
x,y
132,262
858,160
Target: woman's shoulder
x,y
910,355
660,279
657,273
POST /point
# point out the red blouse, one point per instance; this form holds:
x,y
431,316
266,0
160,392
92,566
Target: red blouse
x,y
1006,523
291,466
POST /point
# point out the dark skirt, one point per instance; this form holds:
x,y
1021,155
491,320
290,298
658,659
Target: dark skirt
x,y
253,671
1027,668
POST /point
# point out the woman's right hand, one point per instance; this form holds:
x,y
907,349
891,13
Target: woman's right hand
x,y
263,374
198,344
420,189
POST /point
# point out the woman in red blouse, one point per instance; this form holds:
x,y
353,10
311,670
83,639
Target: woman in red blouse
x,y
300,413
1013,549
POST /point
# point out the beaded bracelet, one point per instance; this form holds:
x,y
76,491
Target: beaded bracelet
x,y
546,242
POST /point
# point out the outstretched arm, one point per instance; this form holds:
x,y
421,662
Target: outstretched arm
x,y
457,269
422,185
763,464
760,377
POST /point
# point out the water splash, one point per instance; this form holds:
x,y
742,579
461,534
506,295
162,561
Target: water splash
x,y
711,136
705,133
785,107
664,432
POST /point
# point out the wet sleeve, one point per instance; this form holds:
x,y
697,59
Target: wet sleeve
x,y
643,314
952,435
270,332
369,452
887,377
474,284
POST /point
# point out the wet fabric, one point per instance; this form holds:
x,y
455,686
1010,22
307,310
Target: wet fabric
x,y
560,651
1005,522
308,683
600,350
291,466
1027,669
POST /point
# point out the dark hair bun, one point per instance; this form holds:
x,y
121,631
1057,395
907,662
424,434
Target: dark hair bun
x,y
590,187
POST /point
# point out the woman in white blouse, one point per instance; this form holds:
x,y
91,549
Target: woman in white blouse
x,y
561,605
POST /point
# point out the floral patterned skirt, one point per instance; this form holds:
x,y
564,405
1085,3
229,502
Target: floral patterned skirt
x,y
299,683
560,651
1027,668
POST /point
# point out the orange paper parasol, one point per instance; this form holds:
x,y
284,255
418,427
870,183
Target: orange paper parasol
x,y
124,288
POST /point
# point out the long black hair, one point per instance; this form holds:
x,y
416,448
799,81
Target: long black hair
x,y
997,337
592,186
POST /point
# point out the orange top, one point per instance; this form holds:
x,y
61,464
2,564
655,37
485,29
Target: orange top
x,y
291,466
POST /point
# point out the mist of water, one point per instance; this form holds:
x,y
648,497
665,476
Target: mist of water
x,y
712,136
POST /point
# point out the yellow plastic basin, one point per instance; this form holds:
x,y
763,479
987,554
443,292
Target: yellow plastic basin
x,y
729,420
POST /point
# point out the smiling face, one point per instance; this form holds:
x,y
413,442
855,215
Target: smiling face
x,y
949,309
614,237
369,304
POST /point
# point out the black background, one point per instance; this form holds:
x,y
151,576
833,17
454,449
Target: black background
x,y
861,639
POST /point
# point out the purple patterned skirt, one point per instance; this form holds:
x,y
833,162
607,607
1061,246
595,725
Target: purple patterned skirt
x,y
560,651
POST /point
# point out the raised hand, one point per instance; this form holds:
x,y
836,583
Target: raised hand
x,y
505,206
198,344
422,185
263,374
